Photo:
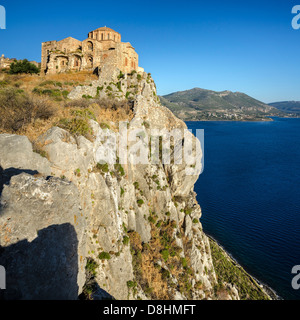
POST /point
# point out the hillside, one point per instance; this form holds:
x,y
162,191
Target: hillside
x,y
201,104
287,106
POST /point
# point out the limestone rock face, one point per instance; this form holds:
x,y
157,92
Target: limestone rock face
x,y
42,237
138,222
16,152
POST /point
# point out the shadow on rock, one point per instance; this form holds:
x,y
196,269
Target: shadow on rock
x,y
44,269
7,174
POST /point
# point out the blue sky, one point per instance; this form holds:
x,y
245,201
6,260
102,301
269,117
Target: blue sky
x,y
246,46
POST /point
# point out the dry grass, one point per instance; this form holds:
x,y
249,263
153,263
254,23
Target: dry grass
x,y
18,110
106,111
156,280
81,77
32,104
29,82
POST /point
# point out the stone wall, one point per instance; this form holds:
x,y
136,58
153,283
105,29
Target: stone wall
x,y
103,46
6,62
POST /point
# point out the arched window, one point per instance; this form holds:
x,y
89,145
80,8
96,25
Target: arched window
x,y
90,46
108,36
102,36
126,62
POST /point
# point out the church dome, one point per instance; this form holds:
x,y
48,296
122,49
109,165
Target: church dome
x,y
104,34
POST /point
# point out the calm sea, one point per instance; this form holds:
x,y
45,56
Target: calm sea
x,y
250,196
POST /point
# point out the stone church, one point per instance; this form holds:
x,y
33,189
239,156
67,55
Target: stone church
x,y
103,47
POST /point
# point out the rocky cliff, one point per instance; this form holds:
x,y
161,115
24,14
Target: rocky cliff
x,y
73,224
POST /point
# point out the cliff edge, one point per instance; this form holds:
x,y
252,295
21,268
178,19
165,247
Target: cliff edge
x,y
80,220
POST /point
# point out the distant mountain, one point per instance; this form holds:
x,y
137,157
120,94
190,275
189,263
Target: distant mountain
x,y
287,106
201,104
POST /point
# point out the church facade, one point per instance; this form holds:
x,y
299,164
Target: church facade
x,y
102,47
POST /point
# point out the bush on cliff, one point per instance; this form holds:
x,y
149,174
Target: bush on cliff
x,y
23,66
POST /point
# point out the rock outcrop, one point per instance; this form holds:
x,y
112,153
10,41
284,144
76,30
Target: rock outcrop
x,y
132,227
42,236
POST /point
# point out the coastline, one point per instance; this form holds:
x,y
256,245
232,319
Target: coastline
x,y
264,287
254,120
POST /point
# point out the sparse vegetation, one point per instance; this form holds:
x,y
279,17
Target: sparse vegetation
x,y
102,167
228,271
19,110
90,284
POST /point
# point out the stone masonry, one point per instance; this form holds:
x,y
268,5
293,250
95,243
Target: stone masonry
x,y
103,47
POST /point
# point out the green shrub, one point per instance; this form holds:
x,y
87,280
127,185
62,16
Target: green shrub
x,y
127,94
23,66
136,185
195,220
104,125
140,202
165,254
184,263
124,227
76,126
122,191
87,96
79,123
159,223
98,91
121,75
151,219
102,167
119,169
188,211
131,284
3,83
91,266
118,85
65,93
125,240
104,256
